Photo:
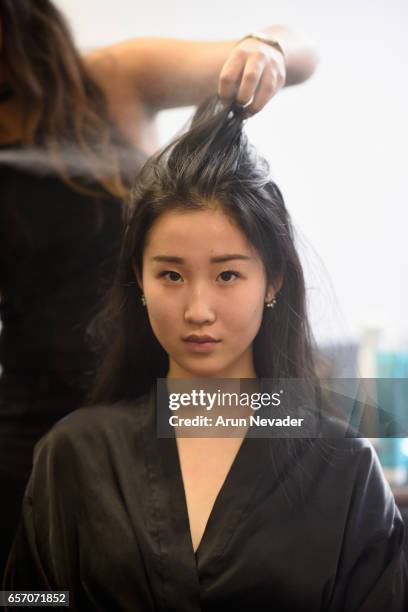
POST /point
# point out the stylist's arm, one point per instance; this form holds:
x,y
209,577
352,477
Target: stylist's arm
x,y
143,76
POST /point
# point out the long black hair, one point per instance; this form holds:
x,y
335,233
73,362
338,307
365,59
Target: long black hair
x,y
212,162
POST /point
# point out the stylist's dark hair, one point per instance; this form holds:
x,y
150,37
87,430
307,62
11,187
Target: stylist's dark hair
x,y
64,109
211,165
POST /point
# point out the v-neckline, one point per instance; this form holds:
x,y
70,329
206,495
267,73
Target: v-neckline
x,y
183,577
229,505
178,567
212,517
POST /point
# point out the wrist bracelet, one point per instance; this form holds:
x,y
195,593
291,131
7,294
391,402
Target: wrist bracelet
x,y
265,38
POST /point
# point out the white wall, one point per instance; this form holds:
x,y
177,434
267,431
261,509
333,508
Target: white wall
x,y
337,144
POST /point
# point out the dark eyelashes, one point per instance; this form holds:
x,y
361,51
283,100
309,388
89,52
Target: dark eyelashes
x,y
231,272
177,276
167,272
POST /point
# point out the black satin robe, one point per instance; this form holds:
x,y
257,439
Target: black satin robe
x,y
105,517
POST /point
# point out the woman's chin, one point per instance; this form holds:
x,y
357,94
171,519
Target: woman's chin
x,y
198,371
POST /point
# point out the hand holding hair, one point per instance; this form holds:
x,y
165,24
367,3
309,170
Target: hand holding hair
x,y
257,69
260,64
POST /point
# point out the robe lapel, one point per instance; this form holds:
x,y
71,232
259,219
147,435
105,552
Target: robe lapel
x,y
181,569
168,521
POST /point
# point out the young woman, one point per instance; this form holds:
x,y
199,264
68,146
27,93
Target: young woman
x,y
72,131
124,519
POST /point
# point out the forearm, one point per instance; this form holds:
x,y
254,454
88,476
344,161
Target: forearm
x,y
168,73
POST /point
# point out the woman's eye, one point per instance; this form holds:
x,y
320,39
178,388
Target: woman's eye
x,y
172,276
228,276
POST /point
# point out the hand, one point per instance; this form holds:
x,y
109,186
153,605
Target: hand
x,y
252,74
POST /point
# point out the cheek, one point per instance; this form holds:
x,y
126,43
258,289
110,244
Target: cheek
x,y
163,313
247,314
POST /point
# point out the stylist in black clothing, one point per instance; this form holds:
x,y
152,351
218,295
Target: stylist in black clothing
x,y
71,127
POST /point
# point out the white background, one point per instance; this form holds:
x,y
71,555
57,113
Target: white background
x,y
336,144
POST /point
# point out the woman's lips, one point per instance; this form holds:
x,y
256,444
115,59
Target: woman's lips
x,y
201,344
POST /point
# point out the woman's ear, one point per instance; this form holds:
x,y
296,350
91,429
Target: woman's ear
x,y
273,289
137,275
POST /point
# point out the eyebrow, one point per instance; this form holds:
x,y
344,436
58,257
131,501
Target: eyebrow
x,y
218,259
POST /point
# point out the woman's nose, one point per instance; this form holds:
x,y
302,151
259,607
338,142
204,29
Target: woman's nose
x,y
199,308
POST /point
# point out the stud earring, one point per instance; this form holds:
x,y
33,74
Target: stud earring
x,y
271,304
143,299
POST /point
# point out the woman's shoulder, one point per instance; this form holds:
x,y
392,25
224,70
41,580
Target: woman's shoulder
x,y
347,447
92,426
350,469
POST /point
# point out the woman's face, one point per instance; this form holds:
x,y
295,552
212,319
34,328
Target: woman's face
x,y
205,289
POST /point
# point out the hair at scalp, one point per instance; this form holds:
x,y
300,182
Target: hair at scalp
x,y
212,163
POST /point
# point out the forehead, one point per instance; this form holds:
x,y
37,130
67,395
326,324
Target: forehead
x,y
205,231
